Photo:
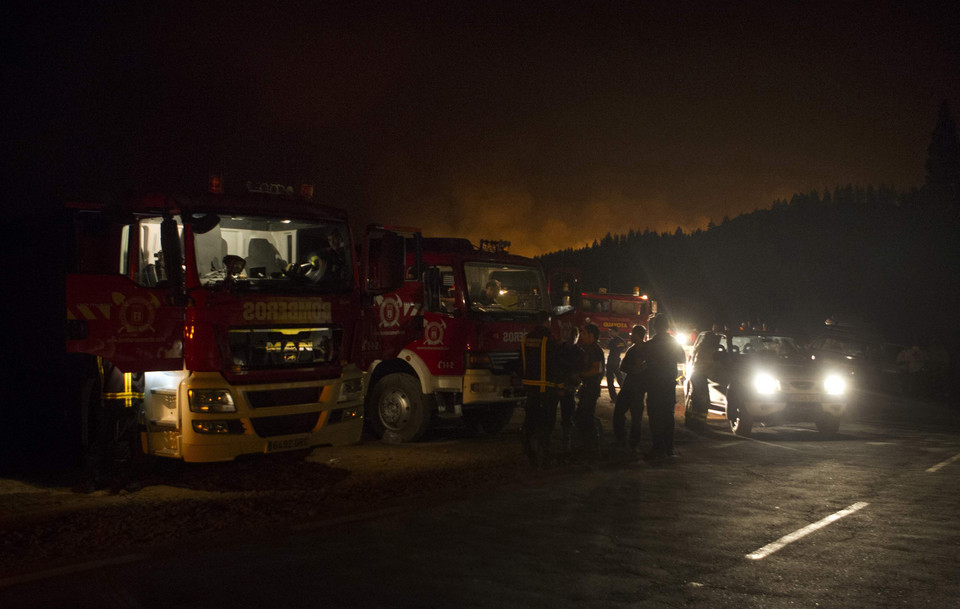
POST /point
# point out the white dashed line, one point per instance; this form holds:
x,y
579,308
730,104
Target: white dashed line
x,y
770,548
943,463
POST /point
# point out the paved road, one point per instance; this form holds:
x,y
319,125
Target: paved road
x,y
868,518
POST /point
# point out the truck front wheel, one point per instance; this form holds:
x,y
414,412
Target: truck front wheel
x,y
397,411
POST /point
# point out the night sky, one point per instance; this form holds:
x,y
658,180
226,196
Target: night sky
x,y
549,125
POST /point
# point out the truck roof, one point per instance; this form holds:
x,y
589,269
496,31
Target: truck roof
x,y
436,249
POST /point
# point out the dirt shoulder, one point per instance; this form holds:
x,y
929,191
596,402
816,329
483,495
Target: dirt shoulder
x,y
42,521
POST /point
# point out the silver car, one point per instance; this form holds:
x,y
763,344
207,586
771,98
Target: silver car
x,y
752,377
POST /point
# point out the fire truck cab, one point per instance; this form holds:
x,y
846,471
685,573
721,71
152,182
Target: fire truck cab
x,y
240,310
447,344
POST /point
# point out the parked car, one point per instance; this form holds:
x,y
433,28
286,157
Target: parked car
x,y
753,377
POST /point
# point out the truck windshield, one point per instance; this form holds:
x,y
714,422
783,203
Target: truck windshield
x,y
264,254
509,288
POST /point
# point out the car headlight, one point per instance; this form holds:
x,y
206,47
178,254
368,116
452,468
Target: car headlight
x,y
835,384
211,400
765,384
351,389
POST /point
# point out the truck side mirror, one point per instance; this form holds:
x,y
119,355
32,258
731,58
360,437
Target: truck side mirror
x,y
431,288
172,254
384,261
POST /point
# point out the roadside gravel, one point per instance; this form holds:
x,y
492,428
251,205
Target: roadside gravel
x,y
43,522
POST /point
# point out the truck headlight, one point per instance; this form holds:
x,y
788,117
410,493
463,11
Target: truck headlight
x,y
835,384
765,384
351,389
211,400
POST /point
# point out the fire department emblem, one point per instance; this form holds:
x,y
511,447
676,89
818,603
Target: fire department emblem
x,y
390,312
136,313
433,332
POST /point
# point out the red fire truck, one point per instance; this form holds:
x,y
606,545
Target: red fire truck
x,y
241,310
620,311
447,344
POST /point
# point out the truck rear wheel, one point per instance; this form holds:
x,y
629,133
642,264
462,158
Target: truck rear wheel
x,y
397,411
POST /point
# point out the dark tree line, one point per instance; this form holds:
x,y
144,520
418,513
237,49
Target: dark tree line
x,y
873,256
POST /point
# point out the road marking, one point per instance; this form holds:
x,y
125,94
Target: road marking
x,y
772,444
770,548
943,463
733,435
84,566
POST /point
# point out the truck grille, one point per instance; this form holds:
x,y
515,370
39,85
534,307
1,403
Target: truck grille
x,y
505,361
279,348
283,397
266,427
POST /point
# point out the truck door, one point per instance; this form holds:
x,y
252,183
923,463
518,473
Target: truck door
x,y
118,307
393,294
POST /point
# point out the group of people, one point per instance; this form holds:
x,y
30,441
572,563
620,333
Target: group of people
x,y
567,374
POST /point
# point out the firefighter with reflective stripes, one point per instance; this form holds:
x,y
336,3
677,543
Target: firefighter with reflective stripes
x,y
114,448
539,353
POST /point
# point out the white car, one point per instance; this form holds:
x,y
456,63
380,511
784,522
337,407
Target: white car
x,y
754,377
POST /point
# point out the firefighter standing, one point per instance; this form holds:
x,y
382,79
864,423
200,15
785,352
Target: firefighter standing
x,y
570,359
663,354
591,375
616,346
114,449
539,353
632,392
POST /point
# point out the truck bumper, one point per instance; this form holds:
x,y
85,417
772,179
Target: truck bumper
x,y
289,416
485,387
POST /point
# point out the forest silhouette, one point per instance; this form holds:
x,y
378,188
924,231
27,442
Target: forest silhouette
x,y
875,257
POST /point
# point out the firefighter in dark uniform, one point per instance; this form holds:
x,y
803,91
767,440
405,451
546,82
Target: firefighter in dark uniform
x,y
632,393
539,352
114,449
663,353
570,361
591,374
616,345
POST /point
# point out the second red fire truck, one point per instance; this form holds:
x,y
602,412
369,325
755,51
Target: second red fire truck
x,y
447,344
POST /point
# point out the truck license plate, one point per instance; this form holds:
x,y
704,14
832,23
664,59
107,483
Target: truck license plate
x,y
288,443
805,397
